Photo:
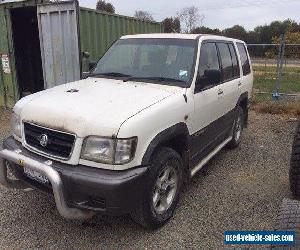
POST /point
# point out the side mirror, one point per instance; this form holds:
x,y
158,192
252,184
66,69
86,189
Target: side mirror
x,y
92,65
210,78
213,76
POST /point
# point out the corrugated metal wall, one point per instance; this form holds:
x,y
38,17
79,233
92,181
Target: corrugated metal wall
x,y
99,30
8,89
9,92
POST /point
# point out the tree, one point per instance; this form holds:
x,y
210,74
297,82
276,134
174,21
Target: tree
x,y
206,30
171,25
190,17
291,38
104,6
237,32
143,15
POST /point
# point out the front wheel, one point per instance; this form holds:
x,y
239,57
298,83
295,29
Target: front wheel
x,y
237,129
162,191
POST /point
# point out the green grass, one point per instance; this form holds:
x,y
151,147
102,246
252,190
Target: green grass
x,y
289,69
266,83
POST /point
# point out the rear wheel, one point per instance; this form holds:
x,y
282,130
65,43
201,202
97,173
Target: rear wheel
x,y
295,166
162,192
237,129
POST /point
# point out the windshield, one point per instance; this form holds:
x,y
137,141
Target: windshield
x,y
163,61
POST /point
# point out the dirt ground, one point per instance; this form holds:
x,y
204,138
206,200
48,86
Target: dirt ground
x,y
240,189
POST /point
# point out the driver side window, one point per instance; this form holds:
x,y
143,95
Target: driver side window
x,y
208,66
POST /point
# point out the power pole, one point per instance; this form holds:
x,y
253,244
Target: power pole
x,y
280,62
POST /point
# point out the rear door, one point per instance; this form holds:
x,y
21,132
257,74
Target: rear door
x,y
58,29
230,77
229,88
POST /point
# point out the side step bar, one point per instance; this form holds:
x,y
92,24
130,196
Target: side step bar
x,y
211,155
45,169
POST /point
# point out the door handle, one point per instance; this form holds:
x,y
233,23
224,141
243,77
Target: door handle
x,y
220,92
240,83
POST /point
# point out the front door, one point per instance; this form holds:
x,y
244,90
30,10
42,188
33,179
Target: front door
x,y
207,108
58,29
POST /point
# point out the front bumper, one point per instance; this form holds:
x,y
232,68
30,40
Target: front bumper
x,y
79,191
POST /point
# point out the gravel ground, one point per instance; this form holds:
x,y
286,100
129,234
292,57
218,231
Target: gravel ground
x,y
238,190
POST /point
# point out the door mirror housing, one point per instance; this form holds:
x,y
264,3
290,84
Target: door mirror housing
x,y
92,65
211,77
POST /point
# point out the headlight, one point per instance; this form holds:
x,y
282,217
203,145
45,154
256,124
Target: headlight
x,y
109,151
16,125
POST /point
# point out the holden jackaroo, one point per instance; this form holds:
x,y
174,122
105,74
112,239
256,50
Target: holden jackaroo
x,y
151,113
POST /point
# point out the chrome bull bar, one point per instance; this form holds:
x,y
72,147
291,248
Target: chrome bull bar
x,y
45,169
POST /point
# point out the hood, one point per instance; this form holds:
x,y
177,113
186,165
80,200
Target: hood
x,y
92,106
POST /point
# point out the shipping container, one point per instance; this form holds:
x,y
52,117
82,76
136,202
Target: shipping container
x,y
44,44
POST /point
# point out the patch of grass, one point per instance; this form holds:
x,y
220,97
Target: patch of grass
x,y
278,107
258,98
288,69
265,80
266,83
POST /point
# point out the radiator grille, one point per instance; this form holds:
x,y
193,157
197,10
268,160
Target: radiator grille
x,y
50,142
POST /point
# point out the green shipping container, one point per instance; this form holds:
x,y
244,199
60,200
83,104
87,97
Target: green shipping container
x,y
45,44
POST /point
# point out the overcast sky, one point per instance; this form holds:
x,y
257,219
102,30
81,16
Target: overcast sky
x,y
218,13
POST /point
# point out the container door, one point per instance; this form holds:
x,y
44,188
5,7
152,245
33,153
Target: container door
x,y
58,28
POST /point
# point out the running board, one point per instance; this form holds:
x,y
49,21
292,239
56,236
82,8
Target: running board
x,y
211,155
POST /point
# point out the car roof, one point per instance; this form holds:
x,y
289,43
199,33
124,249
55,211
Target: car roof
x,y
181,36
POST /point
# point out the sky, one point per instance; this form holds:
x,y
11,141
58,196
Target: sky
x,y
218,13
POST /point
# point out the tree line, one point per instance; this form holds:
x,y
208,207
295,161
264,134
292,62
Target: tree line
x,y
189,20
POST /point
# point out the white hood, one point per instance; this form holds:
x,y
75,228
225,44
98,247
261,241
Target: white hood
x,y
95,107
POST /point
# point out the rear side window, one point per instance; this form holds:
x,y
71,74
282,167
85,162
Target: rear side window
x,y
244,59
235,64
226,61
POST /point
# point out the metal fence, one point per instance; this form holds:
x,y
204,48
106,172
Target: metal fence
x,y
276,70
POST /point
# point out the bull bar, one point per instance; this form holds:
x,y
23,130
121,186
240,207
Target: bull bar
x,y
45,169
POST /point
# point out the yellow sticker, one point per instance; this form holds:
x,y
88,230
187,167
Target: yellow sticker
x,y
21,163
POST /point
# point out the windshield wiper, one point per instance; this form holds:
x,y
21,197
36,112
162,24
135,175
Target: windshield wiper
x,y
154,78
113,74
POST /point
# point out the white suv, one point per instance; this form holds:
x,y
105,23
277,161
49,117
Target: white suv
x,y
153,111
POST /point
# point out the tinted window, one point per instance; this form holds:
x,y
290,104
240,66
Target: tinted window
x,y
226,62
236,67
244,59
208,60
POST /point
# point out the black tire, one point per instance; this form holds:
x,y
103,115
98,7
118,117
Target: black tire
x,y
294,174
288,220
238,127
145,213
